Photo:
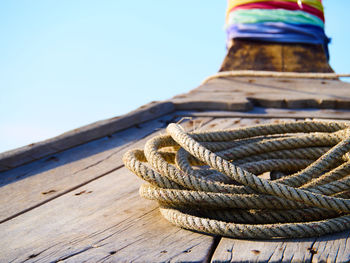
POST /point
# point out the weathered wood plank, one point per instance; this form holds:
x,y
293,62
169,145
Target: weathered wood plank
x,y
82,135
268,113
234,122
30,185
288,251
208,101
249,85
104,220
27,187
332,248
283,93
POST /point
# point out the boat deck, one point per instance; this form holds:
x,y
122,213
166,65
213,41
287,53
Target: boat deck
x,y
71,199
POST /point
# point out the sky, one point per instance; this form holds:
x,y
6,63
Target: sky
x,y
68,63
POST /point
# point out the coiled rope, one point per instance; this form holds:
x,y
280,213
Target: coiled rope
x,y
210,181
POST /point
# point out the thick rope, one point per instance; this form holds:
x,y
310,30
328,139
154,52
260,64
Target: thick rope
x,y
212,181
275,74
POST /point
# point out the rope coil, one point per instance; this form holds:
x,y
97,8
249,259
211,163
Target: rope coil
x,y
213,181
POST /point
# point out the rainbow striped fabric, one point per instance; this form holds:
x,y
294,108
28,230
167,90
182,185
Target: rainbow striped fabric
x,y
288,21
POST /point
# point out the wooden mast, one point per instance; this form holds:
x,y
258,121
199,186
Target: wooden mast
x,y
283,36
285,57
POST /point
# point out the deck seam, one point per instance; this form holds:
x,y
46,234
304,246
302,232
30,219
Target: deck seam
x,y
214,246
311,249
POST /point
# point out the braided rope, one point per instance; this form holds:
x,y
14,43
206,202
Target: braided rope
x,y
275,74
211,181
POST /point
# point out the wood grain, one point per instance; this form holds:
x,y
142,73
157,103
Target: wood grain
x,y
208,101
273,113
104,220
32,185
283,93
288,251
332,248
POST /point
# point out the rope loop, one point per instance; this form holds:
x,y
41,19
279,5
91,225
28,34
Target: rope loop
x,y
283,180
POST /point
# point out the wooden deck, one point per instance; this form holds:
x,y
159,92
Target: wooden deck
x,y
71,199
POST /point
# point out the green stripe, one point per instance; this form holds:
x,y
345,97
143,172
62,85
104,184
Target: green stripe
x,y
254,16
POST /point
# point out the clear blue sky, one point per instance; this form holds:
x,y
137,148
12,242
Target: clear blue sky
x,y
68,63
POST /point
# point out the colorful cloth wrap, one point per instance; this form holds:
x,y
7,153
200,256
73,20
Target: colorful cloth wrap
x,y
288,21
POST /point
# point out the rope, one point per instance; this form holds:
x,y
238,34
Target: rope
x,y
211,181
274,74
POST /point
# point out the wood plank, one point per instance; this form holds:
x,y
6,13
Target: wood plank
x,y
268,113
35,151
283,93
219,124
32,185
104,220
329,248
259,85
332,248
284,250
209,101
36,183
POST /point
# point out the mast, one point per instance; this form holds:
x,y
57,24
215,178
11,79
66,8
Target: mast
x,y
286,36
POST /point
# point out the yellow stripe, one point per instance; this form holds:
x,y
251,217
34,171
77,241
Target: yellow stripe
x,y
233,3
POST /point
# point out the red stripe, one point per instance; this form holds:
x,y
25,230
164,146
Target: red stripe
x,y
281,5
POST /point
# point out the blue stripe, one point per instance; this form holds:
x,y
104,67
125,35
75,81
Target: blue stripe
x,y
280,32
